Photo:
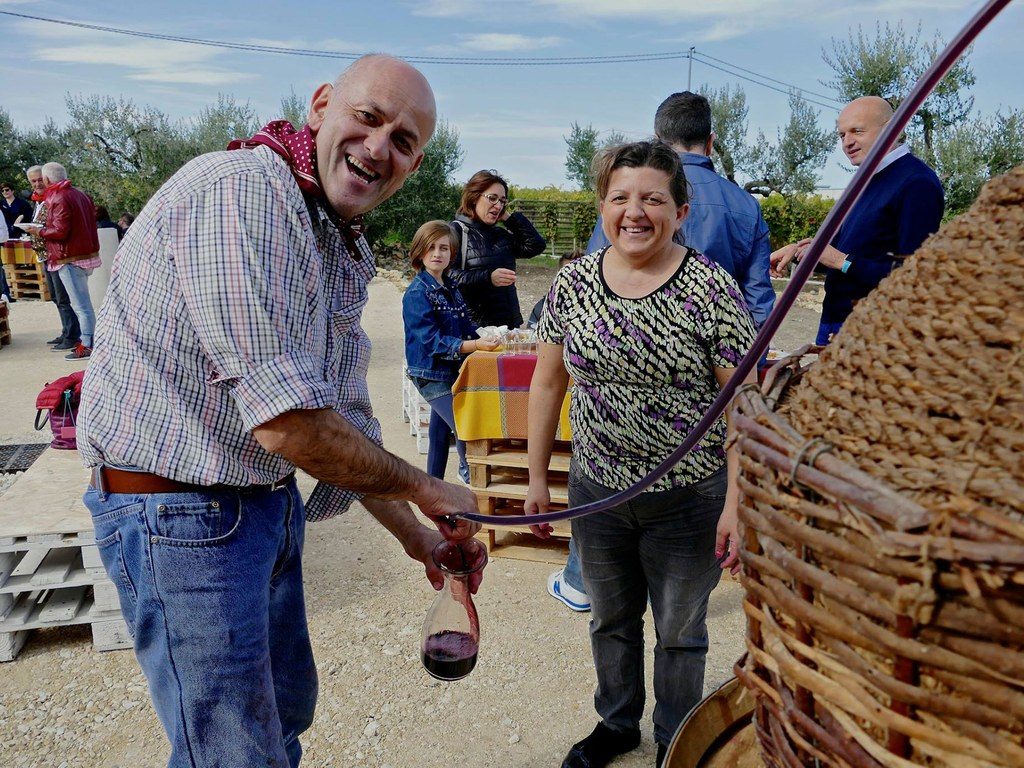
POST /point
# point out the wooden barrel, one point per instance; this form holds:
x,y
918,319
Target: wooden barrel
x,y
718,732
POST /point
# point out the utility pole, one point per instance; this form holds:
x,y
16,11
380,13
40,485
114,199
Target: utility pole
x,y
689,73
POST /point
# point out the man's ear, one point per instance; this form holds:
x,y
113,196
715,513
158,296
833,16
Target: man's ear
x,y
416,163
318,106
710,146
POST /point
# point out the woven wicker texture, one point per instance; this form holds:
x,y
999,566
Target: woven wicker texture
x,y
883,518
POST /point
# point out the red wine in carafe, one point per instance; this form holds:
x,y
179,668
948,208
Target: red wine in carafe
x,y
450,655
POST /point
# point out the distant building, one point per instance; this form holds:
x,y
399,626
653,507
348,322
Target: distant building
x,y
830,193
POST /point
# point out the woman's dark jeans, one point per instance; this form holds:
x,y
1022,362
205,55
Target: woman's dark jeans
x,y
441,429
658,547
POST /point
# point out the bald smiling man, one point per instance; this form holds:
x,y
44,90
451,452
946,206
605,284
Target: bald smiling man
x,y
901,206
228,353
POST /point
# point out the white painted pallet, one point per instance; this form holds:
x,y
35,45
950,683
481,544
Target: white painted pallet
x,y
20,543
50,569
111,635
415,411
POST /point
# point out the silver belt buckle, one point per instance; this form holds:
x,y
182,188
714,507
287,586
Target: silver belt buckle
x,y
279,484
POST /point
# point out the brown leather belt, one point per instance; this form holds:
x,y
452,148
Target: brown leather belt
x,y
110,480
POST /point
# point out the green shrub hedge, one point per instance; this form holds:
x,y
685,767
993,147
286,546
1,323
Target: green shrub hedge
x,y
793,218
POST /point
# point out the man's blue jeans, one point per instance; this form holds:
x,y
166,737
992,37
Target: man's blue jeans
x,y
210,586
76,283
571,574
658,547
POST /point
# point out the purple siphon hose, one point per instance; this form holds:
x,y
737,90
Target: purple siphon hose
x,y
860,180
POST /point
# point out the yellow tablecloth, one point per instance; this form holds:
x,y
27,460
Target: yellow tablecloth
x,y
17,252
491,395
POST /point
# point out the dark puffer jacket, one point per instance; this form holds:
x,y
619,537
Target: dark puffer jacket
x,y
491,247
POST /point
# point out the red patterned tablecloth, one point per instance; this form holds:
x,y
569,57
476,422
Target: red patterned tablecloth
x,y
17,252
490,397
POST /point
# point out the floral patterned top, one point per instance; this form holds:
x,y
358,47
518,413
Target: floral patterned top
x,y
644,368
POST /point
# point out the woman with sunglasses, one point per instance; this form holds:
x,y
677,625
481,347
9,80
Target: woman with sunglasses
x,y
484,263
13,207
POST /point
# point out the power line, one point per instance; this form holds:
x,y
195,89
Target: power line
x,y
832,107
826,97
451,60
416,59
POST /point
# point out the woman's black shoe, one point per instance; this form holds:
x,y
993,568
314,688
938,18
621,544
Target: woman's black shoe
x,y
601,747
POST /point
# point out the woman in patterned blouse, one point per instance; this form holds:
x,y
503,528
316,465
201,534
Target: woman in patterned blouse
x,y
649,330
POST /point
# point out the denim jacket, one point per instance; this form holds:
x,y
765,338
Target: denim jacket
x,y
436,323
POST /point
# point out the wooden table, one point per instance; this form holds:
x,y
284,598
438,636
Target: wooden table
x,y
490,399
26,277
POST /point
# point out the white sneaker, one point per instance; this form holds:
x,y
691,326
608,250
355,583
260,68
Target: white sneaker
x,y
572,597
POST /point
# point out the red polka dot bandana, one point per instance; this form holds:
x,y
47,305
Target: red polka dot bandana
x,y
298,148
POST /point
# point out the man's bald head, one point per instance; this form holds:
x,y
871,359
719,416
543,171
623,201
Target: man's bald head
x,y
370,126
872,107
375,65
860,124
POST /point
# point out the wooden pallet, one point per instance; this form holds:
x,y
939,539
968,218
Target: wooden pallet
x,y
415,412
518,542
27,281
5,324
50,569
499,477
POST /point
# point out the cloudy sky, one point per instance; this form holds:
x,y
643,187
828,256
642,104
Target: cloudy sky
x,y
510,117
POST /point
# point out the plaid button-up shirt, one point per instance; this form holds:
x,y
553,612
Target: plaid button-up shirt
x,y
230,302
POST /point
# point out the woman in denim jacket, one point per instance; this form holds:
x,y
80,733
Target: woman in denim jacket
x,y
438,335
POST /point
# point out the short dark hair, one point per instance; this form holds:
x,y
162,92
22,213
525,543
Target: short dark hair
x,y
642,154
101,213
570,257
683,119
475,187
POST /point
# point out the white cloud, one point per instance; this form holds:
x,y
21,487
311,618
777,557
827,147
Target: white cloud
x,y
741,10
499,41
151,55
445,8
725,30
508,126
747,12
334,44
193,76
158,61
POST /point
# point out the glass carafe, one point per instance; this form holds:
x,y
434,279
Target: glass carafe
x,y
451,631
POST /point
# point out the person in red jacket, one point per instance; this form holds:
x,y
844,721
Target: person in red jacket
x,y
72,247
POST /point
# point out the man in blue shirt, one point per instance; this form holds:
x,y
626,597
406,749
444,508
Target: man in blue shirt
x,y
900,207
725,222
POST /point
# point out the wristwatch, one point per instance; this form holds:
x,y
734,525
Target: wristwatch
x,y
845,267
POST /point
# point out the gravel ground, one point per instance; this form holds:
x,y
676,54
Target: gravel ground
x,y
63,704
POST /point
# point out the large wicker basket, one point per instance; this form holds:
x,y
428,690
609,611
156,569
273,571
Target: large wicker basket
x,y
882,517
